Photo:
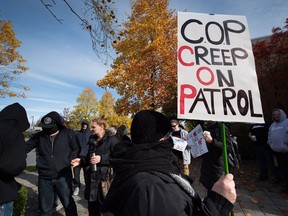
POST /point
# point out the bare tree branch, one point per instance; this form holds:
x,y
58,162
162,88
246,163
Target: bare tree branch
x,y
99,20
48,6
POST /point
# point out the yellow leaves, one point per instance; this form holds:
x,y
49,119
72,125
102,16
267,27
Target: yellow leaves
x,y
11,61
145,72
106,105
12,94
4,84
88,107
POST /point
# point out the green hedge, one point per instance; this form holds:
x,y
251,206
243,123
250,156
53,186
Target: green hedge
x,y
20,203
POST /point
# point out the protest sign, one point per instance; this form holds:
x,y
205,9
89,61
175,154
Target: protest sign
x,y
217,80
196,142
179,144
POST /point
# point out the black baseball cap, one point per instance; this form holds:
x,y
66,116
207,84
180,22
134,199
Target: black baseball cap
x,y
49,120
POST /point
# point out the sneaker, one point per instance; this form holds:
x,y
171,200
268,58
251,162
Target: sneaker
x,y
76,191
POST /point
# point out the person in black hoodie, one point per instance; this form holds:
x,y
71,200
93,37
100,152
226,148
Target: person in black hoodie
x,y
13,122
148,181
82,138
55,147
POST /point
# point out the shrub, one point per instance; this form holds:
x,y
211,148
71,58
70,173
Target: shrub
x,y
27,134
30,168
20,203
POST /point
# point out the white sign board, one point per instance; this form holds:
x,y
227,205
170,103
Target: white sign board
x,y
217,80
196,142
179,144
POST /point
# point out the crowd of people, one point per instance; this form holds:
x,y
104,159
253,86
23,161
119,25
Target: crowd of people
x,y
149,175
271,147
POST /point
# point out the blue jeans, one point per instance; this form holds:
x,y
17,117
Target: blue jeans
x,y
6,209
63,188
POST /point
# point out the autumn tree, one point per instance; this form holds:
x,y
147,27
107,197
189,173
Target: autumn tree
x,y
145,74
87,107
271,59
106,105
11,63
97,17
107,110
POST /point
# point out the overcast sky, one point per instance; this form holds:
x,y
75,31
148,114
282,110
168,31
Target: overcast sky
x,y
60,57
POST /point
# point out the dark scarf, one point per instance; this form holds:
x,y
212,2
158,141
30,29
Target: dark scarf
x,y
129,159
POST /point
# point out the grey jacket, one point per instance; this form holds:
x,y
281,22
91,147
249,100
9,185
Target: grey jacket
x,y
187,152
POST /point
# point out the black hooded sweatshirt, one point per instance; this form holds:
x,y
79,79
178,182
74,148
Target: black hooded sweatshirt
x,y
13,121
54,157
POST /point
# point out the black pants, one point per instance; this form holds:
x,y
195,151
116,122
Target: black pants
x,y
76,179
282,159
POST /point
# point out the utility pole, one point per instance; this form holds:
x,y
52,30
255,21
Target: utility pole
x,y
32,117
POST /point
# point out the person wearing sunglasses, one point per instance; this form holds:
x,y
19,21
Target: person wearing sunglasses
x,y
184,158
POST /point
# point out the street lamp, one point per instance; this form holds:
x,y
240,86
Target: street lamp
x,y
32,117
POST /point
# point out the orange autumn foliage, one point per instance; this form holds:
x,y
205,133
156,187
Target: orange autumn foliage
x,y
145,72
271,60
11,62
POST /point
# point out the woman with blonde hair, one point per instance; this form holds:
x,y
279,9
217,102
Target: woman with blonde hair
x,y
98,158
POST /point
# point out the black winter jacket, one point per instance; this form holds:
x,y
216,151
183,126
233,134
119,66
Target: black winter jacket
x,y
154,193
147,183
212,166
13,121
82,138
102,148
53,160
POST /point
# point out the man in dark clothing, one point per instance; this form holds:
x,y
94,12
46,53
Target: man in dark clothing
x,y
55,147
121,135
258,133
13,122
82,138
212,165
148,181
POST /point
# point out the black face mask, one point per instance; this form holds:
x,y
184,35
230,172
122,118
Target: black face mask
x,y
50,131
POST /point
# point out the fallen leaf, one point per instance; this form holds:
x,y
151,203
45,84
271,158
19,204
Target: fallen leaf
x,y
254,200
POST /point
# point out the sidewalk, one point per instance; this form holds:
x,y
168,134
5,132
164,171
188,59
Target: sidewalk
x,y
254,198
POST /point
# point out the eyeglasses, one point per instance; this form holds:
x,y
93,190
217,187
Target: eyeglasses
x,y
173,126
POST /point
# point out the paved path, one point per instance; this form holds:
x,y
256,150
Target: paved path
x,y
254,198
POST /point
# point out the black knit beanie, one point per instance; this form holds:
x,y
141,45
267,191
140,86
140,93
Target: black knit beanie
x,y
149,126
